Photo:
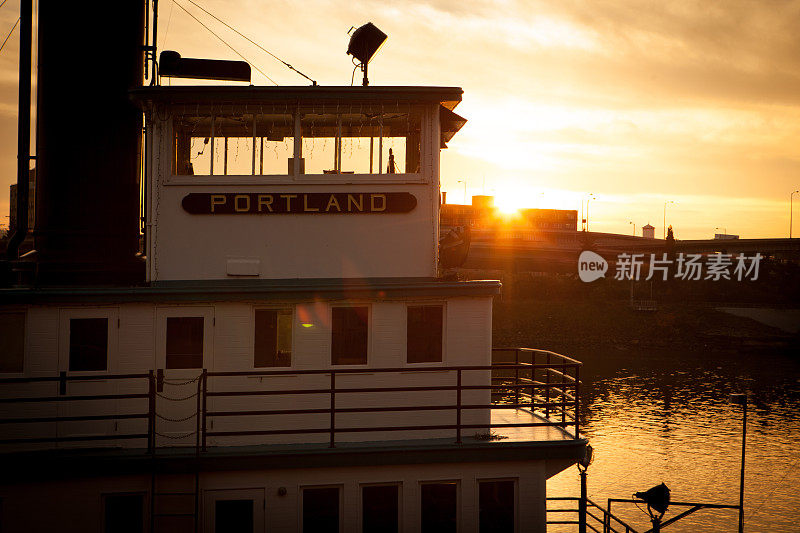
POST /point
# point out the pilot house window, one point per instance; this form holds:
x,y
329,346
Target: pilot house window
x,y
273,338
334,140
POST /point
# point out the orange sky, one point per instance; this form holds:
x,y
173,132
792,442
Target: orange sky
x,y
694,102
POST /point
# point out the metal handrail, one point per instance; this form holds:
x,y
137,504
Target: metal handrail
x,y
512,385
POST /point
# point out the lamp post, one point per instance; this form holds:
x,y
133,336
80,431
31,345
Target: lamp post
x,y
591,197
741,399
791,198
465,190
724,230
665,217
634,227
583,465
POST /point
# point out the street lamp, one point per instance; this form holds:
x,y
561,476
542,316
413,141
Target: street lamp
x,y
791,197
634,227
724,230
465,190
665,217
583,465
741,399
591,197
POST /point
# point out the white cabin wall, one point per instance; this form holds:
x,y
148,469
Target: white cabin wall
x,y
41,347
188,246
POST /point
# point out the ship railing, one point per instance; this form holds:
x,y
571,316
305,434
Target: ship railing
x,y
517,388
553,383
341,401
58,405
595,519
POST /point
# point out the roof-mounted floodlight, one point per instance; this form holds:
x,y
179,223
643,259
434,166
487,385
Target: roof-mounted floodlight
x,y
171,64
364,42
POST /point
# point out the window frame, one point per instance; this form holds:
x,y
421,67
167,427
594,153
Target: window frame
x,y
428,148
162,313
66,314
514,480
210,497
293,309
448,481
25,320
362,486
369,335
423,303
301,507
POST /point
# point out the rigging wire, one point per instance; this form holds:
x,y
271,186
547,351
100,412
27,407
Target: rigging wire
x,y
9,33
166,31
248,39
223,41
4,3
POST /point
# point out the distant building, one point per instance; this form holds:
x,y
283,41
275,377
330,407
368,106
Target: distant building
x,y
551,219
725,237
648,231
483,214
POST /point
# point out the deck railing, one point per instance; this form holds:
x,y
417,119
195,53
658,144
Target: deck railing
x,y
542,383
596,519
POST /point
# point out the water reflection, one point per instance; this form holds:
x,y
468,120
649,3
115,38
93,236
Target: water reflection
x,y
665,416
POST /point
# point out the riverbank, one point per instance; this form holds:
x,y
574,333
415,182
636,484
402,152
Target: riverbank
x,y
567,325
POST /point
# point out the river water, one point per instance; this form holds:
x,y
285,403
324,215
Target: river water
x,y
664,416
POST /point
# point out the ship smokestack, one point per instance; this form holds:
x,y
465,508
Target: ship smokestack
x,y
88,142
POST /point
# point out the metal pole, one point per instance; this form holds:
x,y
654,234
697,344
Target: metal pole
x,y
791,211
582,503
741,478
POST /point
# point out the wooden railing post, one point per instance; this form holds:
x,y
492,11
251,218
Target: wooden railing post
x,y
203,427
333,409
62,383
458,407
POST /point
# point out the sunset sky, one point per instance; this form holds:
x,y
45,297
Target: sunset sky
x,y
637,102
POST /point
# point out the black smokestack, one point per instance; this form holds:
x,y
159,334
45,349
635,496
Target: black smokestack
x,y
88,142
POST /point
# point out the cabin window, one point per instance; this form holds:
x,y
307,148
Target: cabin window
x,y
273,338
496,506
349,335
184,342
380,506
12,342
361,141
233,144
321,510
439,507
123,513
424,333
233,516
88,344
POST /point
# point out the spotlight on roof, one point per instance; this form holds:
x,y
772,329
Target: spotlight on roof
x,y
364,42
656,498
